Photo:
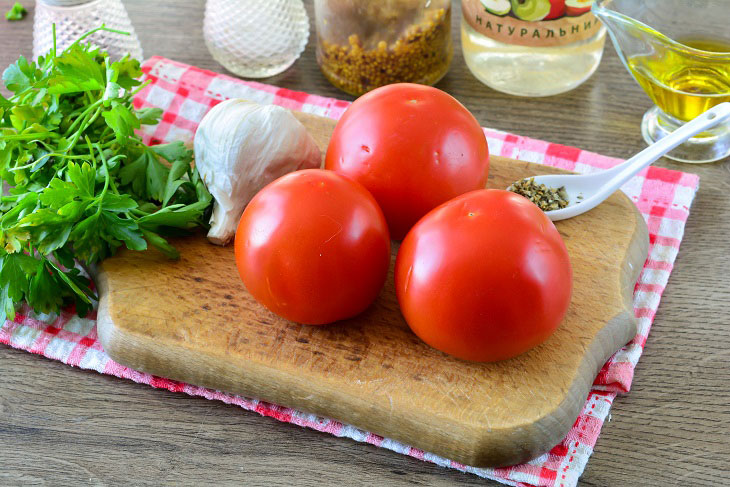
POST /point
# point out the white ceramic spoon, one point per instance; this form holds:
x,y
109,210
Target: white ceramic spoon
x,y
595,188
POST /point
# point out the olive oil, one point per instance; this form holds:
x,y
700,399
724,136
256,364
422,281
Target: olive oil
x,y
685,87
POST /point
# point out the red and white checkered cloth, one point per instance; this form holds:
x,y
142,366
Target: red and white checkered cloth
x,y
186,93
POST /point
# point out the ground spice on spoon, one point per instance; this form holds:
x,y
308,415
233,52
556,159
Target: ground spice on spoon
x,y
544,197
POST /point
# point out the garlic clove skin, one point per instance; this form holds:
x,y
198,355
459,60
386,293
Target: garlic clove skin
x,y
240,147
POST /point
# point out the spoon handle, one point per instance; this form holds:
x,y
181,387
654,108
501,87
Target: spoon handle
x,y
714,116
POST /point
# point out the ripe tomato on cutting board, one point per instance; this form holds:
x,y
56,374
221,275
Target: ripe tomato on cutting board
x,y
484,277
413,147
313,247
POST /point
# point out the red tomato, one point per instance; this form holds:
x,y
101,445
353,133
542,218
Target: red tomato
x,y
413,147
484,277
313,247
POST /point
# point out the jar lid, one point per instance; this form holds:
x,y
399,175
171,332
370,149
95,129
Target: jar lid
x,y
65,3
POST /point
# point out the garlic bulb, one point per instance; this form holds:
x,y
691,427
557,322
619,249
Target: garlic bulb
x,y
240,147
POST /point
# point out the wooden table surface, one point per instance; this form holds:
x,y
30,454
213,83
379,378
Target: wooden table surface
x,y
65,426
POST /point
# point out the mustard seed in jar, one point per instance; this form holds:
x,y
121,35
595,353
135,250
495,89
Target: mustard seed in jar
x,y
364,44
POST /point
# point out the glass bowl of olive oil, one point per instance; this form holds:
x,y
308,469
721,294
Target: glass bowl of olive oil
x,y
679,52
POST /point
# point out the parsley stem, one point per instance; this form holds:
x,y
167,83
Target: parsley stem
x,y
48,135
139,88
106,180
31,164
139,212
93,118
94,31
84,126
91,151
80,118
104,132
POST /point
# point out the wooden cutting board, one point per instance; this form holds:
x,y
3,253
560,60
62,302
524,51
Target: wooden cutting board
x,y
192,320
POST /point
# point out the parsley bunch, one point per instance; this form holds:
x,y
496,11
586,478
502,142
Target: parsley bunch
x,y
77,182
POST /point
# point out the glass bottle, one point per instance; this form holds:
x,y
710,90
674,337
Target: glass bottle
x,y
73,18
683,66
255,38
363,44
531,47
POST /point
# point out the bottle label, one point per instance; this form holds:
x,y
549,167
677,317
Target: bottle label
x,y
535,23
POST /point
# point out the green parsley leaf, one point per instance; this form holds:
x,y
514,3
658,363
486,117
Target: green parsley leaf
x,y
20,76
149,116
160,244
125,73
125,230
51,238
122,121
147,175
118,203
77,71
83,177
42,289
174,151
58,193
16,12
174,181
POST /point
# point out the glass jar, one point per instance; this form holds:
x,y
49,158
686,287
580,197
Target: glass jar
x,y
255,38
74,18
364,44
531,47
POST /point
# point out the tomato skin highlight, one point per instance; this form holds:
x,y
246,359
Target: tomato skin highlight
x,y
313,247
413,147
484,277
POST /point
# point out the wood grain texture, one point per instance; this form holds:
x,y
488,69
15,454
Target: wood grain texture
x,y
193,321
670,430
